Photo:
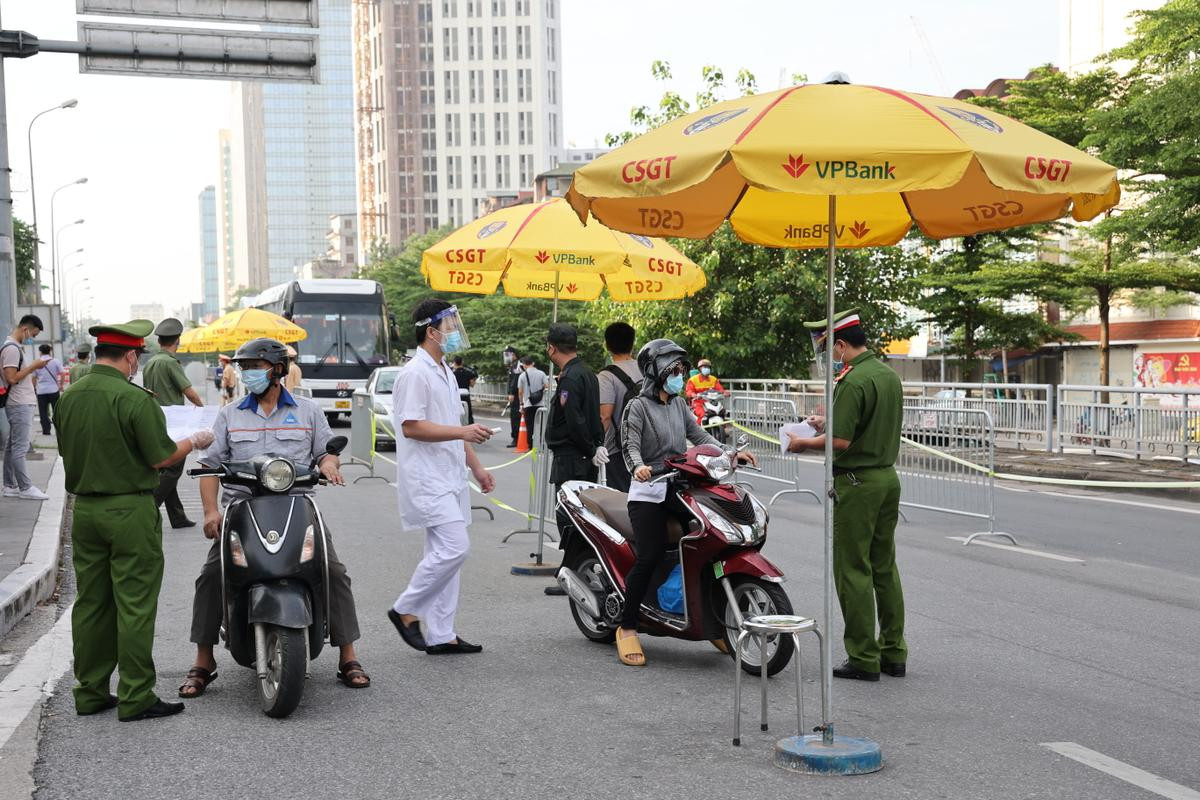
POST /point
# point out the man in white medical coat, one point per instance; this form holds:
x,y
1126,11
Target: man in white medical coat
x,y
433,454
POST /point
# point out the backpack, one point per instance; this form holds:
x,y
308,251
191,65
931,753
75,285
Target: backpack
x,y
4,385
631,391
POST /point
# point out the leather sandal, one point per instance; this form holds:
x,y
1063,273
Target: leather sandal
x,y
720,644
629,647
353,671
196,682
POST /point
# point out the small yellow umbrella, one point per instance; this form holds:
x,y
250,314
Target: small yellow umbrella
x,y
238,327
197,340
542,251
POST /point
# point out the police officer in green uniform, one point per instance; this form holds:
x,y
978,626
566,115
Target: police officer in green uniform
x,y
575,433
163,375
867,412
81,367
113,439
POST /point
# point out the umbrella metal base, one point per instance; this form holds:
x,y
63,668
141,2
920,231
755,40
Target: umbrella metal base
x,y
845,756
534,569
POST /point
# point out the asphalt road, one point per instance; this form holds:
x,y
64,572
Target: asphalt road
x,y
1009,650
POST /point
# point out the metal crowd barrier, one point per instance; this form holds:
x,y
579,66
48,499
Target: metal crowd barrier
x,y
362,436
763,416
539,483
1133,421
947,463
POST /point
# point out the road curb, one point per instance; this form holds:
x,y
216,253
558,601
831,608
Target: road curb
x,y
34,580
1066,473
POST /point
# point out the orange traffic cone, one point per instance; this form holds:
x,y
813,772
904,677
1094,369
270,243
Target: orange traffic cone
x,y
523,438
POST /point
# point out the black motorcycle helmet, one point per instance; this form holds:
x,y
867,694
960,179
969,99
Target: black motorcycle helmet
x,y
654,360
272,351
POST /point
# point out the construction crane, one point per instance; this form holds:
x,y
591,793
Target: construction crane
x,y
931,55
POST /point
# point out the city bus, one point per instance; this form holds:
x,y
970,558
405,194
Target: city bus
x,y
348,330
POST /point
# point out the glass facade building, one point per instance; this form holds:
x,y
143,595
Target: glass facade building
x,y
210,279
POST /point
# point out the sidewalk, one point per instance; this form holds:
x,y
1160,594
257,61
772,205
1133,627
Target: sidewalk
x,y
17,517
1088,467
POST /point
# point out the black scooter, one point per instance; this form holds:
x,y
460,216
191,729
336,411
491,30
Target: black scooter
x,y
274,573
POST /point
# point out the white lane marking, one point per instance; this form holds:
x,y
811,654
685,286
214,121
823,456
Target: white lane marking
x,y
1126,772
1099,499
1027,551
34,676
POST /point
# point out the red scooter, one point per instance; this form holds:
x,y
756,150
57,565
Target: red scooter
x,y
725,577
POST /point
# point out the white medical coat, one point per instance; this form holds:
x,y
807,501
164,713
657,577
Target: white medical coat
x,y
431,477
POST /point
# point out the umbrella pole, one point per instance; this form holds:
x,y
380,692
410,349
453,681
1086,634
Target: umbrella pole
x,y
826,623
544,477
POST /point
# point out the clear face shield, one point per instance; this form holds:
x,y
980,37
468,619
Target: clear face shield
x,y
819,342
447,327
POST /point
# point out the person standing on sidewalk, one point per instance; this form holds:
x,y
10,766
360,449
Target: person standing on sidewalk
x,y
47,381
81,367
867,414
433,454
513,365
618,381
531,388
113,439
466,378
21,400
163,375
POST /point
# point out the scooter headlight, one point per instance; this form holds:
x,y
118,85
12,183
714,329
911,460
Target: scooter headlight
x,y
719,467
278,475
731,531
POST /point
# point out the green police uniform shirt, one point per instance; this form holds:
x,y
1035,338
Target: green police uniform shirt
x,y
868,404
163,375
78,371
110,432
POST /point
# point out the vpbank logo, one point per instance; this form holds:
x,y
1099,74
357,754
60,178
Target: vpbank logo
x,y
853,170
713,120
796,165
542,256
973,117
644,241
490,228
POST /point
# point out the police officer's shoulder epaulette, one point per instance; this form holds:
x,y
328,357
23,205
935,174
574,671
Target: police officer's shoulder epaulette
x,y
845,371
144,389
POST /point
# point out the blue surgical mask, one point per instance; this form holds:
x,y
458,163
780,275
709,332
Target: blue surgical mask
x,y
838,365
452,342
674,384
257,380
705,371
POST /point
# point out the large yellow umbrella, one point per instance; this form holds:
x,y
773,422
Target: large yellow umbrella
x,y
832,165
238,327
542,251
197,340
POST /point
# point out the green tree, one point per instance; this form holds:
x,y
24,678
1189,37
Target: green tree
x,y
236,301
23,251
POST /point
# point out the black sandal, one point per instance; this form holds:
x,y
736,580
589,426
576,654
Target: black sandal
x,y
351,671
197,680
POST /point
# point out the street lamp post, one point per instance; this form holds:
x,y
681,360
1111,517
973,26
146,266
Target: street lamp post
x,y
37,261
55,292
74,299
53,248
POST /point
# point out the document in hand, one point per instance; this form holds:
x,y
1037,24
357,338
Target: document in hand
x,y
800,429
648,492
183,421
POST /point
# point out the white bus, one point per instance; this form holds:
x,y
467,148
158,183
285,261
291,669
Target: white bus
x,y
348,326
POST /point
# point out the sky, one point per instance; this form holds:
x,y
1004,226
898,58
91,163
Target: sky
x,y
148,146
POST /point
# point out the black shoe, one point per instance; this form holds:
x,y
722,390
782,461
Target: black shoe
x,y
556,590
109,705
461,646
410,633
895,670
186,523
511,444
848,670
159,709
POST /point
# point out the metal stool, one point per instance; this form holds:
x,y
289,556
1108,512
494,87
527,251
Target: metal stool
x,y
761,628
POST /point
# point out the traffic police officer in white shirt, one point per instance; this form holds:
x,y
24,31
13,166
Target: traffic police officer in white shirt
x,y
433,454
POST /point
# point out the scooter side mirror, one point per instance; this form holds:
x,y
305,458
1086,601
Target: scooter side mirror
x,y
743,442
336,445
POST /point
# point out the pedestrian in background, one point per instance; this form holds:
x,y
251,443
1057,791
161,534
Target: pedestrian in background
x,y
81,367
228,379
466,377
113,440
294,376
531,388
20,400
619,381
513,365
433,455
47,380
163,375
867,413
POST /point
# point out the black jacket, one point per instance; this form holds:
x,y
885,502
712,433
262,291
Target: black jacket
x,y
575,411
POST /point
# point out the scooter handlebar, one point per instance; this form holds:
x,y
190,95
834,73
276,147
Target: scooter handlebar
x,y
201,472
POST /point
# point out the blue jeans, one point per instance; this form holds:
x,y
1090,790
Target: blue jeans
x,y
20,432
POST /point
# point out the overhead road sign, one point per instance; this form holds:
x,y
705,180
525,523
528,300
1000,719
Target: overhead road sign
x,y
264,12
192,53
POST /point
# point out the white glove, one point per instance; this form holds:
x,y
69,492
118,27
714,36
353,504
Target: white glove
x,y
201,440
601,457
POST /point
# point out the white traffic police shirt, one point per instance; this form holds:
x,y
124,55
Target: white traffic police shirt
x,y
431,477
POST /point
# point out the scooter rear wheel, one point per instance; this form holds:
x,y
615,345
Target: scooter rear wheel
x,y
592,629
280,691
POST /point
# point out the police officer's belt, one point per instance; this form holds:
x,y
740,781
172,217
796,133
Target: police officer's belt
x,y
848,470
112,494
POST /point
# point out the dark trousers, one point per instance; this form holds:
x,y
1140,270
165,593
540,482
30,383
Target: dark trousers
x,y
470,411
514,416
649,521
569,465
46,404
168,493
207,614
616,475
530,415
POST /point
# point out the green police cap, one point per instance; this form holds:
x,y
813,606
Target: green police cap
x,y
843,320
84,349
130,334
169,327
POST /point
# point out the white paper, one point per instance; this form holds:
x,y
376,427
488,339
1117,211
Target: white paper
x,y
183,421
802,430
648,492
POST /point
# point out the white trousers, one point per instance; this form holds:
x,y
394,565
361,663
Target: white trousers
x,y
432,593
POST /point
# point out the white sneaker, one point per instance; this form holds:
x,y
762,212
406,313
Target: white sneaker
x,y
33,493
11,491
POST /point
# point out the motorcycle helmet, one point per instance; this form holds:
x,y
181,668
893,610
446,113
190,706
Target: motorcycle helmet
x,y
270,350
655,359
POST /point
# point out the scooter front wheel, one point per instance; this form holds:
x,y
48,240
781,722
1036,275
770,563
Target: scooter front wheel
x,y
756,597
280,690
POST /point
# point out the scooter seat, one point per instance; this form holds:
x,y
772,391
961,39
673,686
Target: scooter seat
x,y
613,507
